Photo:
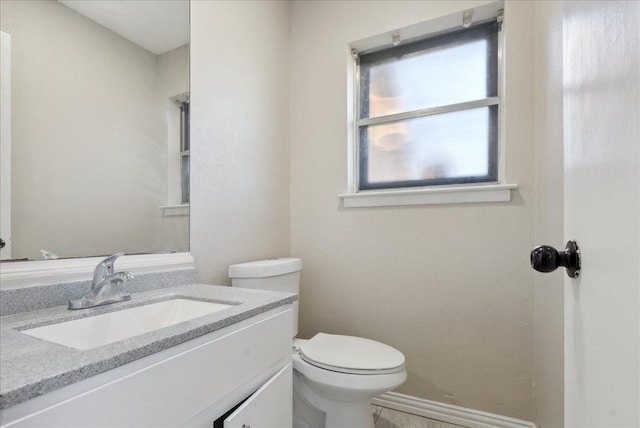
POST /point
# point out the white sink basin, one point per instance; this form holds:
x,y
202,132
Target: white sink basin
x,y
91,332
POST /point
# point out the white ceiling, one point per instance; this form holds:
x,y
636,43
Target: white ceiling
x,y
156,25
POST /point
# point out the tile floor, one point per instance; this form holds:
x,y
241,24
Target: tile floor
x,y
388,418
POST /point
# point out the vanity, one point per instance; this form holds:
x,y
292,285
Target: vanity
x,y
228,367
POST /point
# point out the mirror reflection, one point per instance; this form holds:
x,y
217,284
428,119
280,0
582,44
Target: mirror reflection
x,y
99,135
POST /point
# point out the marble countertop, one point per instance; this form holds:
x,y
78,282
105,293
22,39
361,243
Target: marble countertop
x,y
30,367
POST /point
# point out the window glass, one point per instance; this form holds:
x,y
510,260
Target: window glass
x,y
430,78
439,147
185,166
184,151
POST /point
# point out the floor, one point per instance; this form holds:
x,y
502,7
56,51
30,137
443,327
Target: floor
x,y
388,418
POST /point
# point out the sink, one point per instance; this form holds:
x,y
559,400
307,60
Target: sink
x,y
98,330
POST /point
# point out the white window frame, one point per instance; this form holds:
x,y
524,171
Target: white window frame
x,y
435,194
183,207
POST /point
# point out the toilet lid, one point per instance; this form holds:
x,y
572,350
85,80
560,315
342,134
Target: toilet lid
x,y
349,354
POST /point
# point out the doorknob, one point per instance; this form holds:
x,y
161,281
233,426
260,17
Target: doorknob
x,y
2,243
545,258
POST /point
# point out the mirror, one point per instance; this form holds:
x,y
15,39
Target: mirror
x,y
99,135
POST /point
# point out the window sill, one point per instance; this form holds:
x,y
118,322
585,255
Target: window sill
x,y
174,210
433,196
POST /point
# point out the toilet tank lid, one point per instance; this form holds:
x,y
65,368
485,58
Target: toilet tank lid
x,y
265,268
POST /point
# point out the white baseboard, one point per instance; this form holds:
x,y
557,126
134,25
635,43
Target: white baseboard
x,y
469,418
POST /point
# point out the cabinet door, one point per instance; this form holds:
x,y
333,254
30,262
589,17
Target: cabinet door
x,y
269,407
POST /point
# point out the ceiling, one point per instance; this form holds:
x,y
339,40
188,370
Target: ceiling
x,y
156,25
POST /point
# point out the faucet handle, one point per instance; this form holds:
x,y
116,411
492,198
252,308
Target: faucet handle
x,y
104,268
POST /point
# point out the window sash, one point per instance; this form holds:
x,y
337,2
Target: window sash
x,y
390,118
492,167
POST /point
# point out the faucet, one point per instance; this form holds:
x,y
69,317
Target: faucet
x,y
105,287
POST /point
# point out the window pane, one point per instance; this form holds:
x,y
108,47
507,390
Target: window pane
x,y
442,75
437,148
184,127
185,178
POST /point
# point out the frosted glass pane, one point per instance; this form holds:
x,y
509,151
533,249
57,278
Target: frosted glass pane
x,y
186,173
438,76
441,146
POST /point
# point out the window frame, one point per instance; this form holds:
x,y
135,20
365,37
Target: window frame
x,y
179,188
489,31
434,193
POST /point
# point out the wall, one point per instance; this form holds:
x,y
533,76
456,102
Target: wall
x,y
239,136
450,286
548,341
77,162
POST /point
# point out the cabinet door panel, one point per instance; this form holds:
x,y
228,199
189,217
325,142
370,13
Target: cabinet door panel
x,y
269,407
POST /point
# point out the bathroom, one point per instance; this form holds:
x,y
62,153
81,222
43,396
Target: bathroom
x,y
449,285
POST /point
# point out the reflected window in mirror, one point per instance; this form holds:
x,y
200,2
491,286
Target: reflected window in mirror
x,y
182,146
184,150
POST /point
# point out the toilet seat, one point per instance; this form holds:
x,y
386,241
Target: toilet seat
x,y
350,355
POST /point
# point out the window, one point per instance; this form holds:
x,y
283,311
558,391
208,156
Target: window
x,y
428,111
178,156
184,151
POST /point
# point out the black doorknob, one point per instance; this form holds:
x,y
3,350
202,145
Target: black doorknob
x,y
2,243
545,258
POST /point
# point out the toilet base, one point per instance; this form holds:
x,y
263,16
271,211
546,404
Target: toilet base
x,y
326,413
305,415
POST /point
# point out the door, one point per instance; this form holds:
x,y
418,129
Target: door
x,y
5,145
601,80
271,406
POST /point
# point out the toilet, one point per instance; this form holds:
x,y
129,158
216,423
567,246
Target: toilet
x,y
334,376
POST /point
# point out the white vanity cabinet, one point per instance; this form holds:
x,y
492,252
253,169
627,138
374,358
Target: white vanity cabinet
x,y
241,372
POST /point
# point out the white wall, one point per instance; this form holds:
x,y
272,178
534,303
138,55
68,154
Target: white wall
x,y
548,340
239,113
450,286
77,163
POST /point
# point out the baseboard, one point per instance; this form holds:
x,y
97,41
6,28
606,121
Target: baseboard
x,y
469,418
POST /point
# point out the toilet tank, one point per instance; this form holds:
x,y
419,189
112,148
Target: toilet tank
x,y
273,274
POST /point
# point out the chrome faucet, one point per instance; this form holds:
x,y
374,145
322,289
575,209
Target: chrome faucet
x,y
106,286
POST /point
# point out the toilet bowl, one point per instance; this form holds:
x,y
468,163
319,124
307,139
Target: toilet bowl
x,y
335,376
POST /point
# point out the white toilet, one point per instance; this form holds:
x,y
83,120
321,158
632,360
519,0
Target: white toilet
x,y
334,376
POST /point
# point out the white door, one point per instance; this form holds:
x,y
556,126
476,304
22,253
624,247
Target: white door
x,y
5,144
271,406
601,80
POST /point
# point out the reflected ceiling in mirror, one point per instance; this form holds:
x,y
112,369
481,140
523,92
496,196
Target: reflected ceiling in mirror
x,y
99,127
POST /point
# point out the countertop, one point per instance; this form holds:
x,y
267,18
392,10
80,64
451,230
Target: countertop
x,y
30,367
